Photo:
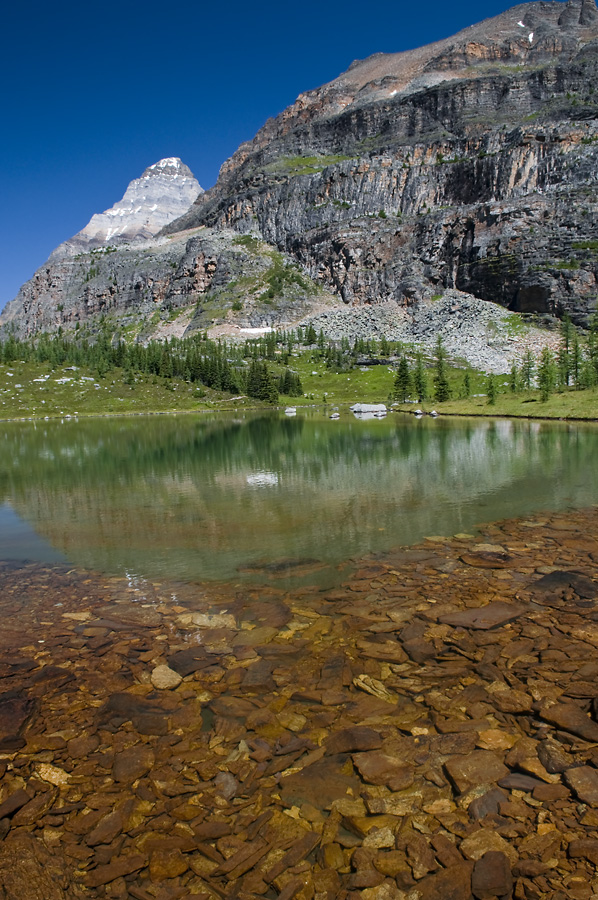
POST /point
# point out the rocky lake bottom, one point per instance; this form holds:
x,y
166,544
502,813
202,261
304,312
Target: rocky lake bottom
x,y
426,730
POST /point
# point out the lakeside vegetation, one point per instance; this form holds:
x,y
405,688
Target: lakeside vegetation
x,y
58,375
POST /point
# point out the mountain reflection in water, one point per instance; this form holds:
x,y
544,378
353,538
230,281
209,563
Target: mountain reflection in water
x,y
216,496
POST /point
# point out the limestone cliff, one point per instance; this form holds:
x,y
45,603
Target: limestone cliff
x,y
468,164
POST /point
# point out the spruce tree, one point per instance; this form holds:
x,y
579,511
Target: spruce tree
x,y
310,336
593,343
268,390
442,390
588,376
564,351
466,390
402,382
420,382
288,384
528,367
270,346
491,389
576,359
546,374
253,379
514,382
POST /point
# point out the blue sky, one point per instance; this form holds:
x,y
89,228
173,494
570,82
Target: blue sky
x,y
94,93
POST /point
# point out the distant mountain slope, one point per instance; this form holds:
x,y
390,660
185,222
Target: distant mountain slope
x,y
164,192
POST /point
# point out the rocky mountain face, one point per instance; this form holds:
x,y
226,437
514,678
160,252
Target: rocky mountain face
x,y
141,289
468,165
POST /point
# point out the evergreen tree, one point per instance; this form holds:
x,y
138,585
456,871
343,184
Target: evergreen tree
x,y
514,383
268,388
491,389
420,381
310,336
564,352
466,389
290,384
547,374
10,350
253,385
402,382
576,359
593,343
588,376
270,346
442,390
528,367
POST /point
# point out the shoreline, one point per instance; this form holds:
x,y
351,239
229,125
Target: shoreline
x,y
420,729
323,407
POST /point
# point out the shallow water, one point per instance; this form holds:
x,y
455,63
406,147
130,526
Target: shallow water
x,y
248,496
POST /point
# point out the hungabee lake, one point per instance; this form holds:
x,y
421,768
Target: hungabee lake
x,y
243,496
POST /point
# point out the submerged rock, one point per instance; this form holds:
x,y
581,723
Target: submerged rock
x,y
423,729
164,678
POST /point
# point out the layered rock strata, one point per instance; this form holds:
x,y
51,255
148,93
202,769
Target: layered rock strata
x,y
468,164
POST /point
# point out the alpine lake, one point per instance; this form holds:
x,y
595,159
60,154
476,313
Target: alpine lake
x,y
252,655
219,497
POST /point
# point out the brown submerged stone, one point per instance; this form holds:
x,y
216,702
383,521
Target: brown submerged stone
x,y
14,802
560,584
28,869
16,709
350,740
491,877
379,768
116,869
571,718
584,781
477,768
133,763
453,883
320,784
352,746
